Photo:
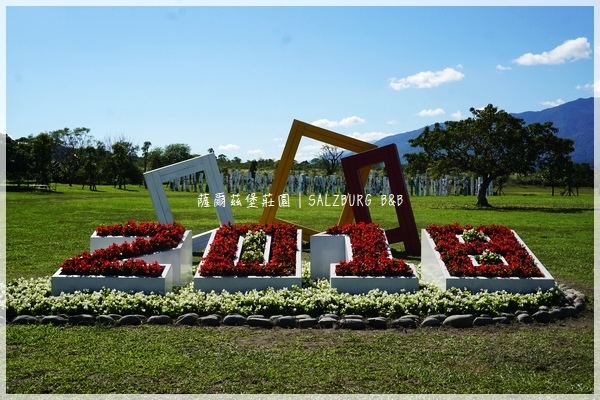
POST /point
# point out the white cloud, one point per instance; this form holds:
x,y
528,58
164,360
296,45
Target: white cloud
x,y
594,87
392,122
502,68
571,50
427,79
553,103
301,156
228,147
457,115
369,136
256,152
277,139
311,147
307,152
345,122
430,113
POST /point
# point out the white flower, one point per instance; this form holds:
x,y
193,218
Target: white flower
x,y
470,235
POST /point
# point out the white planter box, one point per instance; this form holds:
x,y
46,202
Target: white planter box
x,y
363,284
324,250
234,284
102,242
180,257
71,283
434,271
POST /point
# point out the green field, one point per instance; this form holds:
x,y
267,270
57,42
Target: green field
x,y
43,229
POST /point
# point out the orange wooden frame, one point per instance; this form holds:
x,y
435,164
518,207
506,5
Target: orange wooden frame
x,y
299,130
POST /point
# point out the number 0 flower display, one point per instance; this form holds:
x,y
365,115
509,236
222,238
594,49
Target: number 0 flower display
x,y
221,259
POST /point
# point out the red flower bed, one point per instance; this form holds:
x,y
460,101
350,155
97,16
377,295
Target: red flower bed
x,y
370,253
107,261
132,228
220,259
455,255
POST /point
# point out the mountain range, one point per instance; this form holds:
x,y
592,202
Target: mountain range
x,y
574,120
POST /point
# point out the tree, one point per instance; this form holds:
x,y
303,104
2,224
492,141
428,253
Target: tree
x,y
104,172
18,159
555,159
330,158
123,163
69,146
236,162
145,151
222,160
156,159
176,152
41,152
90,167
491,144
253,168
576,176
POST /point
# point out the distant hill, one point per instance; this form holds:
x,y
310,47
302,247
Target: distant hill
x,y
574,120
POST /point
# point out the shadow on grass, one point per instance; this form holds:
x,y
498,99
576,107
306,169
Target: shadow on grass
x,y
11,188
555,210
127,190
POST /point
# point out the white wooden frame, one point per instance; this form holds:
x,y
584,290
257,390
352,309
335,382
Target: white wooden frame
x,y
208,165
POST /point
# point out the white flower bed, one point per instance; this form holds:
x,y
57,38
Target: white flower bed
x,y
33,296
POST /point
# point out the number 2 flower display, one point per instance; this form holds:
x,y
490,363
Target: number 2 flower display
x,y
107,261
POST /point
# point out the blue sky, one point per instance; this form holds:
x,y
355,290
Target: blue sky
x,y
234,78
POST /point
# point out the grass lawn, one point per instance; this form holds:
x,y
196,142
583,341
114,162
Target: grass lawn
x,y
43,229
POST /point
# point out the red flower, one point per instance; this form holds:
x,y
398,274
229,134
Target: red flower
x,y
370,252
107,261
220,260
502,241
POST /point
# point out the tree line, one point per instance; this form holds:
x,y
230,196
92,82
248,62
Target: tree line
x,y
492,144
73,156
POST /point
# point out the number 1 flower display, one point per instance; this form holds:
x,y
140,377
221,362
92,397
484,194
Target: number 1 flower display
x,y
370,252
